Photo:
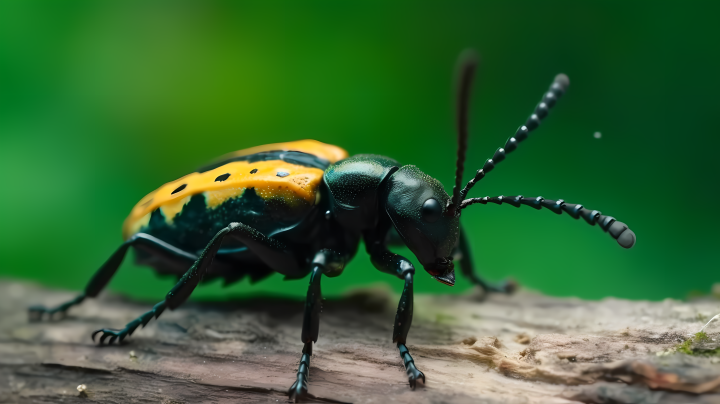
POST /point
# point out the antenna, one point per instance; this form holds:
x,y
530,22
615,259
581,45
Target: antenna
x,y
464,75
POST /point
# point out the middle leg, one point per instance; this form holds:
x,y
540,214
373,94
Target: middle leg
x,y
331,264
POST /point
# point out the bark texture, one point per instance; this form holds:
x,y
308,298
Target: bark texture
x,y
524,348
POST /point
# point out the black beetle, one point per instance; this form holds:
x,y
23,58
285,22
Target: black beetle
x,y
302,207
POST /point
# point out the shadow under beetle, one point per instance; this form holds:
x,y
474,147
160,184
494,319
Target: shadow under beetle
x,y
302,207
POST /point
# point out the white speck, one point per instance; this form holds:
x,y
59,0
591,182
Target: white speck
x,y
203,361
597,135
81,388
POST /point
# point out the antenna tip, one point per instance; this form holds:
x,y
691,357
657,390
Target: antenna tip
x,y
562,80
627,239
469,55
468,58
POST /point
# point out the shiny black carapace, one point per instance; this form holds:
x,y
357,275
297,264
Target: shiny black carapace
x,y
302,207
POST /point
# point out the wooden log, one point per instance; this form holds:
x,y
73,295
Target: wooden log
x,y
525,348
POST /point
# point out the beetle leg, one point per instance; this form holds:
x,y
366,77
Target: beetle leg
x,y
331,264
395,264
299,389
391,263
462,253
403,320
108,269
269,250
120,335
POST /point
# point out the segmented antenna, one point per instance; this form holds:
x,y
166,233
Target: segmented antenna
x,y
557,89
618,230
465,73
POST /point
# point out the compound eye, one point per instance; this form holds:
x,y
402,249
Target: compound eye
x,y
431,210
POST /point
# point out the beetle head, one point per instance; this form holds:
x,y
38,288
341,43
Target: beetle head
x,y
417,205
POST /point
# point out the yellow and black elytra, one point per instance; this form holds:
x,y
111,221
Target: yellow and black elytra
x,y
270,188
300,208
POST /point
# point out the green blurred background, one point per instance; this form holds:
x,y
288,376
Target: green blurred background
x,y
101,102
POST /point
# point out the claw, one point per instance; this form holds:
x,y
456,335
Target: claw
x,y
107,333
510,286
297,393
298,390
104,337
413,380
413,375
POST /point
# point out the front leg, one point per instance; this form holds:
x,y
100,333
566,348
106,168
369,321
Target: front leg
x,y
403,320
395,264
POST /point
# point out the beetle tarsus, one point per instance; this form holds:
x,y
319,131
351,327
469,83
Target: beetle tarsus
x,y
508,286
37,313
412,371
119,335
299,389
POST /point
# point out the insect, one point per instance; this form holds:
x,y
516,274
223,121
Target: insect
x,y
302,208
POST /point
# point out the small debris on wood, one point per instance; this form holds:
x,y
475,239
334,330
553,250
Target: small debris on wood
x,y
522,338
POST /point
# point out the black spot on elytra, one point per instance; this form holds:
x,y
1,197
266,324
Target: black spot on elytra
x,y
222,178
292,157
180,188
282,174
254,170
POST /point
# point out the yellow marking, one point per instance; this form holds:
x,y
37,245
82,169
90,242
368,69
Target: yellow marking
x,y
172,208
130,228
213,199
300,186
325,151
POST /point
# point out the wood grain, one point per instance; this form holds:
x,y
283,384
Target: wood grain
x,y
525,348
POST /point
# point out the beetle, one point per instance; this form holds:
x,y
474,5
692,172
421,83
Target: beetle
x,y
302,207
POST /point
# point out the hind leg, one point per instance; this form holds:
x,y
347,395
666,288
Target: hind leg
x,y
269,250
108,269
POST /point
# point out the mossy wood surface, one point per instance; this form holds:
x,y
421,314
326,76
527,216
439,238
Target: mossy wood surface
x,y
524,348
